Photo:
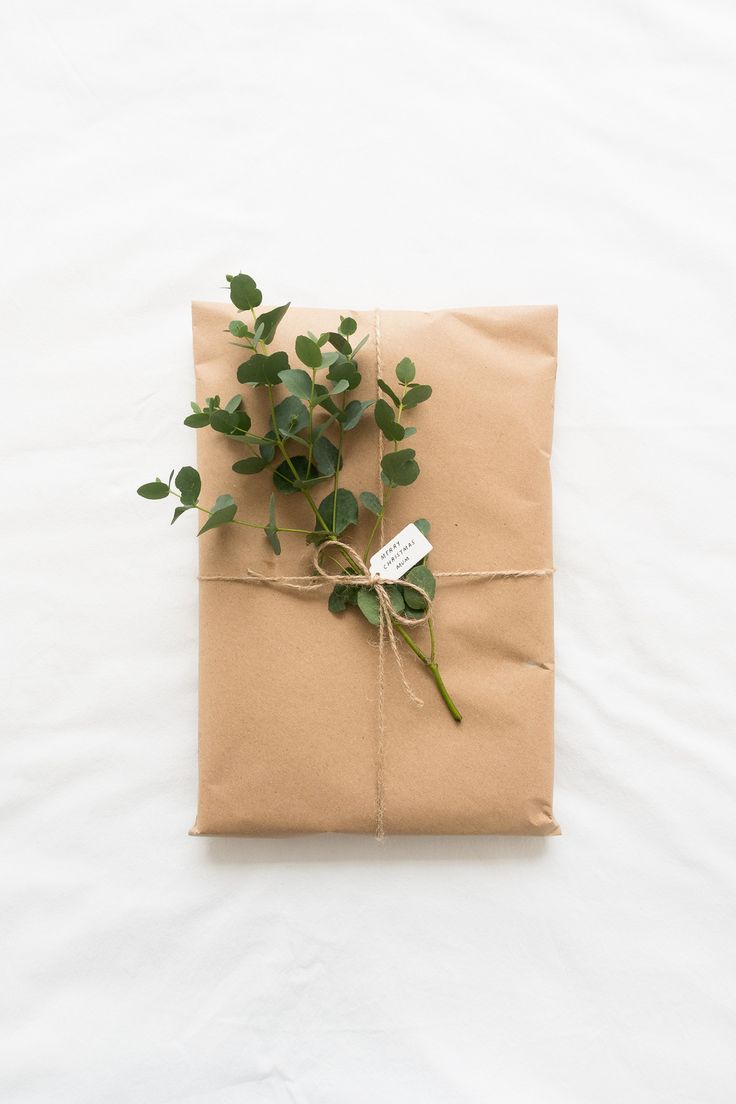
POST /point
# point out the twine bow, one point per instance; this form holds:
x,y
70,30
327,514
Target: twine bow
x,y
387,615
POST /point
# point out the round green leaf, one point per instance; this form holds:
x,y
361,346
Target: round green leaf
x,y
346,371
396,598
345,511
297,382
250,465
386,422
291,415
368,605
325,456
348,326
423,526
283,476
353,412
371,502
154,490
390,392
263,369
416,395
189,484
400,468
244,293
308,352
405,371
421,576
338,600
340,343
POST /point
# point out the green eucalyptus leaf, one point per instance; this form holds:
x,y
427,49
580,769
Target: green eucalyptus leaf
x,y
179,511
244,292
239,329
197,421
154,490
400,468
250,465
423,526
268,451
338,600
421,576
271,530
396,598
291,415
318,430
322,398
233,404
388,391
348,326
353,412
269,320
298,382
345,511
308,352
405,371
283,476
368,605
386,422
416,395
340,343
371,502
345,371
263,368
223,422
360,345
189,485
223,511
272,537
325,456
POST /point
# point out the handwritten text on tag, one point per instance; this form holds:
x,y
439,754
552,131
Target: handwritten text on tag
x,y
400,554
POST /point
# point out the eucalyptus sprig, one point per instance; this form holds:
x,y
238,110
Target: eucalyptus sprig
x,y
312,409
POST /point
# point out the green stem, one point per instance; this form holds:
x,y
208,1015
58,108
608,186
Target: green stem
x,y
431,664
376,523
338,461
248,524
287,458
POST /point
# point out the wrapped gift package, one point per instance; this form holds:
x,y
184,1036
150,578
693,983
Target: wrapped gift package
x,y
290,738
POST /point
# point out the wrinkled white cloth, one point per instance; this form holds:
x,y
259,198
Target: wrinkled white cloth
x,y
413,155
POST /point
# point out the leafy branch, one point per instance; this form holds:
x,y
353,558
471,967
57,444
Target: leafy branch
x,y
312,409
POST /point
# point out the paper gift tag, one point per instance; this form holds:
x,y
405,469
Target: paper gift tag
x,y
401,553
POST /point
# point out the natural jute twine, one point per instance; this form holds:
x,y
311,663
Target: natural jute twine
x,y
387,616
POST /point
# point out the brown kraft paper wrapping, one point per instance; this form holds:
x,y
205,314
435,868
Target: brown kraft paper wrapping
x,y
288,691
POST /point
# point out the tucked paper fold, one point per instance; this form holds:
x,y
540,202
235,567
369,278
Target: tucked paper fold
x,y
288,691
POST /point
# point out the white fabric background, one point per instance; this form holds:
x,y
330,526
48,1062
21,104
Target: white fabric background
x,y
411,154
